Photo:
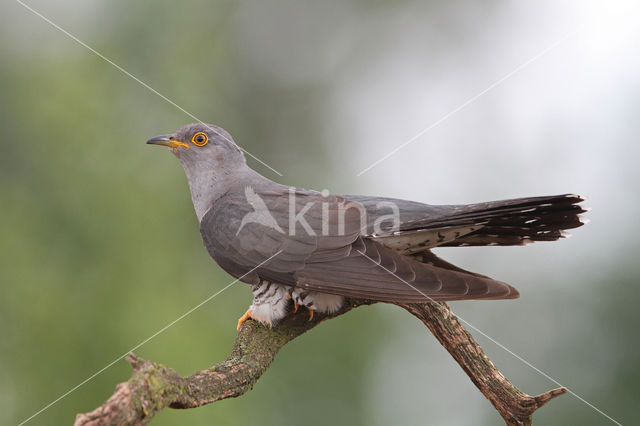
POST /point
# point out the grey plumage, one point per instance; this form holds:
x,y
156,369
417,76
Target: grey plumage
x,y
349,251
260,214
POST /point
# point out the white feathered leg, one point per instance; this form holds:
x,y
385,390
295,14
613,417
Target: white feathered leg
x,y
269,305
271,300
314,301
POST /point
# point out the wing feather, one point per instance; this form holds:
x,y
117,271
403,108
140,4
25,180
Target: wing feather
x,y
335,257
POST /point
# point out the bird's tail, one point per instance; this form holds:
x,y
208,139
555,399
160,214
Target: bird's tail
x,y
516,221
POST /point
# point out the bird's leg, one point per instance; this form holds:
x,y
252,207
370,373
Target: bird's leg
x,y
311,311
295,302
250,314
243,318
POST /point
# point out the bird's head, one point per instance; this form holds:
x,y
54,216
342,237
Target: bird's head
x,y
210,158
200,145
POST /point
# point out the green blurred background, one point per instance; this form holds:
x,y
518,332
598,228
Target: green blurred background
x,y
100,246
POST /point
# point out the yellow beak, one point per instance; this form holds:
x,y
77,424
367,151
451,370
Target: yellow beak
x,y
165,140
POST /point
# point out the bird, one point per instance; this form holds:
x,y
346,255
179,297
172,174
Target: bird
x,y
299,247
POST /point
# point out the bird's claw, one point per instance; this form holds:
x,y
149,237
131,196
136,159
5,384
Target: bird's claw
x,y
243,318
249,315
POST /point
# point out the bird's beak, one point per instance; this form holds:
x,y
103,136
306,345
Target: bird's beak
x,y
166,140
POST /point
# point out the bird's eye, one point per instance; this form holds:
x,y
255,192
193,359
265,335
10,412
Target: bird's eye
x,y
200,139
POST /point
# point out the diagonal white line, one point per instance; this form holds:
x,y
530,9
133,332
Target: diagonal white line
x,y
127,73
163,329
472,99
499,344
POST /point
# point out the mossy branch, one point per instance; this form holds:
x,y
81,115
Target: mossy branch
x,y
154,387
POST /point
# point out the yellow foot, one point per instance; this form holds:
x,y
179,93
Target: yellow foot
x,y
295,307
248,315
242,319
310,314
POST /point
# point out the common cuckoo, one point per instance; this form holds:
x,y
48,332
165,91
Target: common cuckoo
x,y
297,247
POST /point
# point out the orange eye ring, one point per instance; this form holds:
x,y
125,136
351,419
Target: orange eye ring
x,y
200,139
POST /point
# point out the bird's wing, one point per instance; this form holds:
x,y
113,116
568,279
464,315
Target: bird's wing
x,y
334,257
253,199
297,236
373,271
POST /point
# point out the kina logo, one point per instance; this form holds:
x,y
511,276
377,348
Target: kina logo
x,y
260,214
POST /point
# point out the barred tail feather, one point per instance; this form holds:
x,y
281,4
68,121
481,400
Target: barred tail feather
x,y
520,221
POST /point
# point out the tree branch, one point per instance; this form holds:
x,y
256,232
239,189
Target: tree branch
x,y
154,387
514,406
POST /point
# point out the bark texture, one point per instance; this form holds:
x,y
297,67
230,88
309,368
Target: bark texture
x,y
154,386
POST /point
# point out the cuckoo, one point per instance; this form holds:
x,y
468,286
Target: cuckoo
x,y
298,247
